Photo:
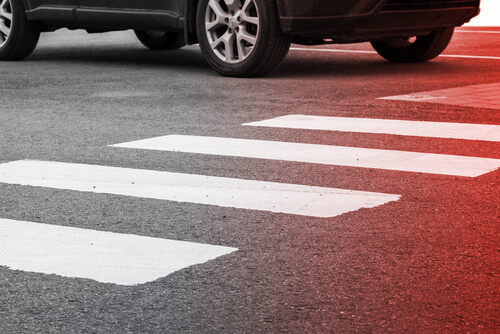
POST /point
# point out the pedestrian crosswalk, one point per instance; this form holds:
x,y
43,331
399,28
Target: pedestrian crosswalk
x,y
149,258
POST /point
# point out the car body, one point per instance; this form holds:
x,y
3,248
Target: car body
x,y
367,20
233,32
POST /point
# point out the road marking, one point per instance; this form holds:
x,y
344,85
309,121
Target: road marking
x,y
478,31
225,192
106,257
332,50
469,57
386,126
475,96
374,52
322,154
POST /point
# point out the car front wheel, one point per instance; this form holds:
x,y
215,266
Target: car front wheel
x,y
241,38
18,36
414,49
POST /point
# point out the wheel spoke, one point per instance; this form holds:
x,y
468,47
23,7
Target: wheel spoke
x,y
224,46
233,5
245,13
215,44
250,19
214,24
242,36
229,48
242,50
220,16
217,9
4,29
5,15
5,11
244,8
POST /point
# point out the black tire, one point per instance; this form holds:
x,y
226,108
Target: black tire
x,y
18,36
421,49
161,40
255,43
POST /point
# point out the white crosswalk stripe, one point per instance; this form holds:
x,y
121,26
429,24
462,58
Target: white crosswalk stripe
x,y
106,257
322,154
385,126
177,187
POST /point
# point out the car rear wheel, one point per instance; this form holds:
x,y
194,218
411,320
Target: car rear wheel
x,y
161,40
414,49
18,36
241,38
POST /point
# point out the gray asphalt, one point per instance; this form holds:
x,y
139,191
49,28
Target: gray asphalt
x,y
426,263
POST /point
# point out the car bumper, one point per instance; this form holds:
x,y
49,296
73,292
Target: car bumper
x,y
347,21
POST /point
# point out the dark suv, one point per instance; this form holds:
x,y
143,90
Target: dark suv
x,y
245,37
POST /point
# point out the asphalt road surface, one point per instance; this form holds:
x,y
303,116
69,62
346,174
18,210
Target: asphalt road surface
x,y
140,192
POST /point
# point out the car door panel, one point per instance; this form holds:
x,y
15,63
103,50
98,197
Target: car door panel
x,y
62,11
129,14
141,5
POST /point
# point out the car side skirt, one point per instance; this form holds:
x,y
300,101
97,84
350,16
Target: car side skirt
x,y
106,18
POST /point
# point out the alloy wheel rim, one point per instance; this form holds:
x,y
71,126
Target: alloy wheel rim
x,y
232,28
5,20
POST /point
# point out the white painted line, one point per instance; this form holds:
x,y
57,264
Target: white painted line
x,y
478,31
322,154
106,257
226,192
415,97
470,57
332,50
386,126
374,52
